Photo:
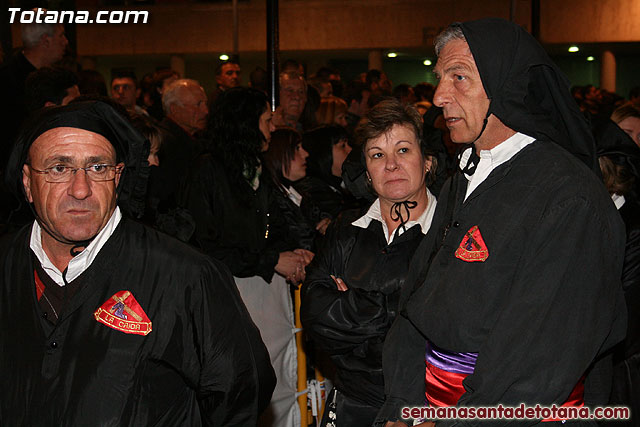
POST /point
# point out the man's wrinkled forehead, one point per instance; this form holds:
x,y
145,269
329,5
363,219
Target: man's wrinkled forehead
x,y
71,142
454,56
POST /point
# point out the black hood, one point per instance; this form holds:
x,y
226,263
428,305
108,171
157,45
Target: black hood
x,y
528,92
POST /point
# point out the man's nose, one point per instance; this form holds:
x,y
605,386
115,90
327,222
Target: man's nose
x,y
442,94
80,185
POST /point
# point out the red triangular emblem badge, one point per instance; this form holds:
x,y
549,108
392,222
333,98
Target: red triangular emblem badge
x,y
472,247
123,313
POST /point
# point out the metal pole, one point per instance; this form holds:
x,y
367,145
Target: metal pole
x,y
535,19
273,46
236,55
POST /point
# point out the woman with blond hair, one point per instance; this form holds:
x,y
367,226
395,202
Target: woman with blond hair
x,y
332,111
627,117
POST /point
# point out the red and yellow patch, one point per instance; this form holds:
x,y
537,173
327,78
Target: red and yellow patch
x,y
123,313
472,247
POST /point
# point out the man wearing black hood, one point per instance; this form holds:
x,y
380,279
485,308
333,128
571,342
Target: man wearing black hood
x,y
104,321
517,294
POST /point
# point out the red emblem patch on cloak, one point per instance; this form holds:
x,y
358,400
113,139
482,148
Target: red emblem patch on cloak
x,y
123,313
472,247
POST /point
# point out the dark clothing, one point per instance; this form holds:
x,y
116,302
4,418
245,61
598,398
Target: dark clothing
x,y
299,229
539,310
13,74
237,225
347,412
176,156
203,363
330,199
626,371
213,95
351,326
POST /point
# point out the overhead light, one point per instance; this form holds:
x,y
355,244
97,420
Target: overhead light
x,y
427,62
574,49
590,58
224,57
392,54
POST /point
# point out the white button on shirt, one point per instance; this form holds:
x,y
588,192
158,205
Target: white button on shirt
x,y
491,159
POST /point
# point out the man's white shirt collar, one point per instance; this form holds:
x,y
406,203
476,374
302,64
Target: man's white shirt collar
x,y
491,159
80,262
374,212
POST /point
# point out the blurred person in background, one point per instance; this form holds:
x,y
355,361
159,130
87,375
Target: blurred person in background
x,y
328,148
627,117
332,111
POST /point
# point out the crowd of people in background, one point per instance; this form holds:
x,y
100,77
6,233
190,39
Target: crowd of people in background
x,y
261,190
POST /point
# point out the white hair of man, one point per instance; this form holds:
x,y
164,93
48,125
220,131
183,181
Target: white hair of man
x,y
452,32
173,93
292,75
32,33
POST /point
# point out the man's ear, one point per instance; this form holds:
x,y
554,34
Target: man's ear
x,y
26,182
119,169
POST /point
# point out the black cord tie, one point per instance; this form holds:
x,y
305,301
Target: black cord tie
x,y
79,247
396,213
472,163
474,159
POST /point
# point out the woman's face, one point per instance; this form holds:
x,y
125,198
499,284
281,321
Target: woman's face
x,y
631,125
339,152
266,127
298,165
395,164
340,119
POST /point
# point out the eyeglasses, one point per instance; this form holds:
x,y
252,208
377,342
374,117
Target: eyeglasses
x,y
98,172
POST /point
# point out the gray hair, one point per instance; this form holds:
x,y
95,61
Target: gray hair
x,y
292,75
32,33
173,93
452,32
